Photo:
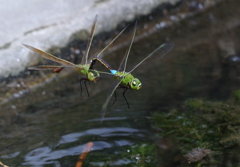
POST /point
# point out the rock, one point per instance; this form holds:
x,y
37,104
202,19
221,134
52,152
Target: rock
x,y
44,24
198,154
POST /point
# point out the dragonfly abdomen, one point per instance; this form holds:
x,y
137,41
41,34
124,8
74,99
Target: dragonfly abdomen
x,y
104,63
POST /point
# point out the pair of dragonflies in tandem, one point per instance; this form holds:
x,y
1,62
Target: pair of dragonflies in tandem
x,y
123,79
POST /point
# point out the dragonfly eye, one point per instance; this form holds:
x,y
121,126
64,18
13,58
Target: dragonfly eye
x,y
135,84
139,85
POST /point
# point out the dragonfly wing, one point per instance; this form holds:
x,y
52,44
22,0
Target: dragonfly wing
x,y
85,56
158,53
56,69
102,73
111,91
99,53
49,56
44,67
123,64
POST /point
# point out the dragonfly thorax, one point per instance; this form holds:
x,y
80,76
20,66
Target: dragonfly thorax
x,y
128,80
92,75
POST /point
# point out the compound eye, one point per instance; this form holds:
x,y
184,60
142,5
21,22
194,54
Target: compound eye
x,y
139,85
134,83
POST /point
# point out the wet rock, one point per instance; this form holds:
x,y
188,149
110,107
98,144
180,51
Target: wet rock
x,y
198,154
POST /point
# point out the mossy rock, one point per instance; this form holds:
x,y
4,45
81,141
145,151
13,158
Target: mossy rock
x,y
205,125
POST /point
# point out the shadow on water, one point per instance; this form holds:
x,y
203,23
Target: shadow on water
x,y
50,125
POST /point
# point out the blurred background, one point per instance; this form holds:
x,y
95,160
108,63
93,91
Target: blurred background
x,y
188,100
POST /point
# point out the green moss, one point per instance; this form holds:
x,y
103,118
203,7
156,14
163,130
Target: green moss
x,y
194,103
236,96
136,155
203,124
142,154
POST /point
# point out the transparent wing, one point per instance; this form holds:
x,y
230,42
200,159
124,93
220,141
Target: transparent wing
x,y
44,67
123,64
103,74
111,91
99,53
55,69
49,56
158,53
85,56
48,67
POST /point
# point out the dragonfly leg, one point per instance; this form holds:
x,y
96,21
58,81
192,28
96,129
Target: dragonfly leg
x,y
115,97
86,86
125,97
80,82
84,80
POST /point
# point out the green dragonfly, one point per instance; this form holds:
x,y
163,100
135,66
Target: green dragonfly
x,y
85,68
125,79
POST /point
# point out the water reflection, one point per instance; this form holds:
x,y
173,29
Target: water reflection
x,y
11,155
101,132
68,145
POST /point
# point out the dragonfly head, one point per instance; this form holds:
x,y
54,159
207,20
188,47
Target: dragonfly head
x,y
135,84
93,75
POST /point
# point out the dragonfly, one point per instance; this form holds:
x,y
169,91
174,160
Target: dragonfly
x,y
85,68
126,80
